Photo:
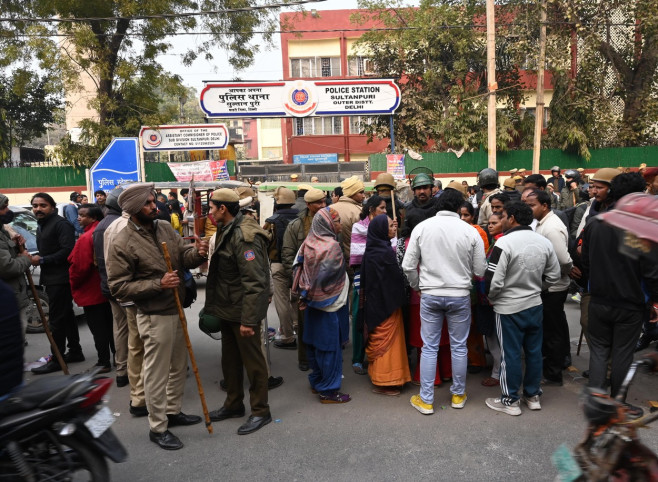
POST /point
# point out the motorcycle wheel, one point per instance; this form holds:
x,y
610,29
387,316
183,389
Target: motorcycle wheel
x,y
69,460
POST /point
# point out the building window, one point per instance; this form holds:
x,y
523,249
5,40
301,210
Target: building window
x,y
358,122
532,111
318,126
315,67
360,66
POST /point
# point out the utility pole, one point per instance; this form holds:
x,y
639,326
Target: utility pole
x,y
491,83
539,111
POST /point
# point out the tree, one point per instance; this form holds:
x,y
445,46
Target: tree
x,y
117,42
440,61
623,37
28,104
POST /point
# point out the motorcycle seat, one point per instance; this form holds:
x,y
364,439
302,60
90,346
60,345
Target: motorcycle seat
x,y
33,394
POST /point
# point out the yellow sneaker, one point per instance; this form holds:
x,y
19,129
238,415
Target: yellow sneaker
x,y
458,401
422,407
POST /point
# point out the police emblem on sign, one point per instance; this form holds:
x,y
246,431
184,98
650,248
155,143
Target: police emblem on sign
x,y
153,138
301,99
249,255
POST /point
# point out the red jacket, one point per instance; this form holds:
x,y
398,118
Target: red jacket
x,y
83,273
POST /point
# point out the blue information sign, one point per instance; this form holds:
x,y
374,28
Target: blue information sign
x,y
314,158
119,163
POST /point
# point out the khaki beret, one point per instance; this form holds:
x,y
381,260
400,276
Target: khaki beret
x,y
457,186
225,195
351,186
510,182
313,195
304,187
607,174
643,165
517,178
580,169
521,171
284,196
513,171
244,192
314,179
294,176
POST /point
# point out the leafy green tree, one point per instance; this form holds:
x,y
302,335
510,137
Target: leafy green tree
x,y
117,43
28,104
440,61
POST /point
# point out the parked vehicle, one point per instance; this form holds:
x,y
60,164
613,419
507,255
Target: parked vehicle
x,y
25,224
58,429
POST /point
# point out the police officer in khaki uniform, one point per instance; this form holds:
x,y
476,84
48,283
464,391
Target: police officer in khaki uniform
x,y
237,293
137,271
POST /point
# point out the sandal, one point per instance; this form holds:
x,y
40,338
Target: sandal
x,y
390,391
490,382
335,397
359,370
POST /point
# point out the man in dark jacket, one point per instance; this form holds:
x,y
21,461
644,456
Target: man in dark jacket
x,y
423,205
623,291
276,225
237,293
55,240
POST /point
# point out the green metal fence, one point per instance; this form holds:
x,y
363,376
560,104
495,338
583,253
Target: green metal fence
x,y
37,177
448,162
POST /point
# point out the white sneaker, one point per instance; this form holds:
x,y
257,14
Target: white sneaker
x,y
499,406
532,402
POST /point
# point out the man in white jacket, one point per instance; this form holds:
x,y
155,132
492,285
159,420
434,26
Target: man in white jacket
x,y
443,255
520,264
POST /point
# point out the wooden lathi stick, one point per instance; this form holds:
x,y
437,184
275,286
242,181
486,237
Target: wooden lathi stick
x,y
42,315
183,322
393,202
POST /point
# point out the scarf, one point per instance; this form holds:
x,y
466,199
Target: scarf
x,y
382,282
319,269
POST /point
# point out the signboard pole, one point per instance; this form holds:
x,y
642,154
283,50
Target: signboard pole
x,y
142,170
88,179
392,136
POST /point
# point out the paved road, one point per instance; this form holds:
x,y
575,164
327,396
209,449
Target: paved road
x,y
371,438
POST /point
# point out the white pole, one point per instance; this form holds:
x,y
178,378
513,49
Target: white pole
x,y
491,83
539,111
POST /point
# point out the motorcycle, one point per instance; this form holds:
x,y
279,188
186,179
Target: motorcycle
x,y
58,429
611,449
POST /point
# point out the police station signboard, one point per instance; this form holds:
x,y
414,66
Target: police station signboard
x,y
185,137
300,98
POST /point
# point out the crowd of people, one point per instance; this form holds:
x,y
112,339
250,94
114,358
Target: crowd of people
x,y
424,290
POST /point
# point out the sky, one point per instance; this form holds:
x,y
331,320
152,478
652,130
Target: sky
x,y
267,65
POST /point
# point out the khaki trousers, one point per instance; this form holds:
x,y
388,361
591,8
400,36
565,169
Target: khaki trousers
x,y
165,364
135,358
240,353
120,328
285,309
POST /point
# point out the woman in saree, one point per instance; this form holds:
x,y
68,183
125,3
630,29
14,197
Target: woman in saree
x,y
320,281
373,207
382,284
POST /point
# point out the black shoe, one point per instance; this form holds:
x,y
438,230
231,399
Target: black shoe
x,y
254,423
642,342
547,382
223,414
182,419
286,346
74,357
222,384
586,374
138,411
122,380
50,367
473,370
35,328
303,366
274,382
104,367
166,440
567,362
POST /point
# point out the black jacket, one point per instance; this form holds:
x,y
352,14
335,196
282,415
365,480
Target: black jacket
x,y
99,244
55,241
11,341
615,279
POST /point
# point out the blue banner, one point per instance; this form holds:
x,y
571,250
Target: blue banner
x,y
314,158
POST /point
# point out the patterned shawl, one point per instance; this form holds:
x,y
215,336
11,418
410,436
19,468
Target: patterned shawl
x,y
319,270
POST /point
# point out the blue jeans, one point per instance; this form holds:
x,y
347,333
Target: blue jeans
x,y
433,310
516,332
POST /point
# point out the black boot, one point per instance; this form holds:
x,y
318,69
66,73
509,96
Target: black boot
x,y
50,367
